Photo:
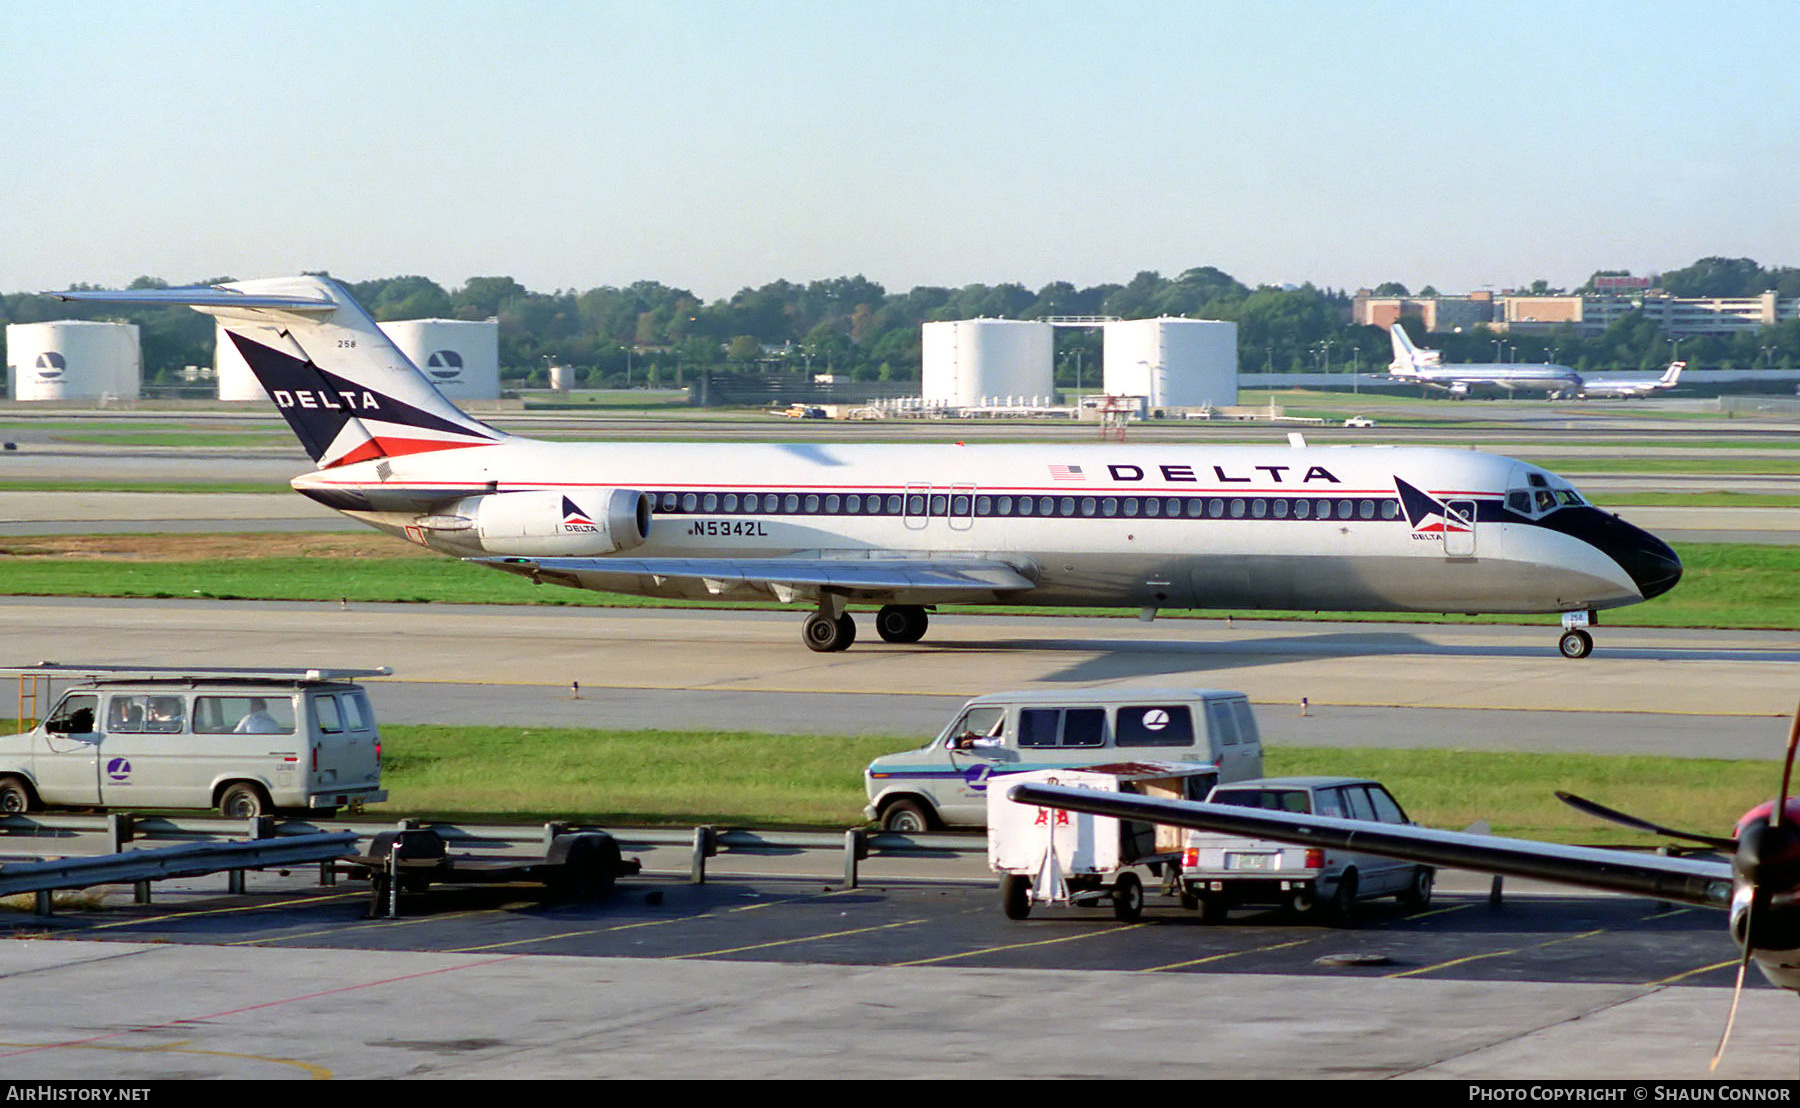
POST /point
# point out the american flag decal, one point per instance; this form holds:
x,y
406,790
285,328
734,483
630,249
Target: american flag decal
x,y
1066,473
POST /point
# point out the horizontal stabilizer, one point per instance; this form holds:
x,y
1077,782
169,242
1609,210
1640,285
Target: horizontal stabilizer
x,y
201,296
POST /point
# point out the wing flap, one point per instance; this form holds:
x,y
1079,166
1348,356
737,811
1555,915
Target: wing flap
x,y
1699,881
924,580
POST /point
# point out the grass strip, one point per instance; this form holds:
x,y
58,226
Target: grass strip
x,y
1724,585
749,779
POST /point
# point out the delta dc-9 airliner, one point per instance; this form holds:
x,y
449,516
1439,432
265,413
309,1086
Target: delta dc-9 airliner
x,y
911,526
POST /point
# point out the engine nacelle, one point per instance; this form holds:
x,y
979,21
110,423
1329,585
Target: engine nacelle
x,y
546,523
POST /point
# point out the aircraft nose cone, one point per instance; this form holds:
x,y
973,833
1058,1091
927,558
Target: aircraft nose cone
x,y
1651,563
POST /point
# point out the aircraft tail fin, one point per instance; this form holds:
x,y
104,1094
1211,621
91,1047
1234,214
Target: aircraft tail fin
x,y
346,390
1672,374
1406,355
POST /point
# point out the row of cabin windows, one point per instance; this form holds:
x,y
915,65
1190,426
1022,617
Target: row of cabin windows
x,y
966,504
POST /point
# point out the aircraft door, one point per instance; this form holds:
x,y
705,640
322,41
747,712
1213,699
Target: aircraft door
x,y
915,511
962,507
1459,529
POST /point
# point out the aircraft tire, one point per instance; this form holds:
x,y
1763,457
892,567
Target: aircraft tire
x,y
827,635
1576,643
901,623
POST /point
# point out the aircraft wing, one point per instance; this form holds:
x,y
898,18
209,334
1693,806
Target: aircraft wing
x,y
920,580
1703,882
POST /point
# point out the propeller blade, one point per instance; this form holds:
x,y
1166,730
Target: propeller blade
x,y
1737,990
1787,771
1613,815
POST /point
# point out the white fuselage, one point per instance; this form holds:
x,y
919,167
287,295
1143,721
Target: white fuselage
x,y
1147,526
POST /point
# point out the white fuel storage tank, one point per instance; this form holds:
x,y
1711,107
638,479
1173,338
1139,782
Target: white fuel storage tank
x,y
967,360
73,359
1172,363
461,357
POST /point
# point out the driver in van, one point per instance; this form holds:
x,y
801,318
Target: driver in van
x,y
973,739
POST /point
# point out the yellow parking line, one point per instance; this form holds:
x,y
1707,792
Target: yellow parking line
x,y
631,926
267,907
1228,954
790,942
1496,954
1732,964
1022,946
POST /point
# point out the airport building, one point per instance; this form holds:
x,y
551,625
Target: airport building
x,y
72,359
1588,313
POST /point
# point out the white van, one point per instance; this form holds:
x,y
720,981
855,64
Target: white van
x,y
246,745
945,783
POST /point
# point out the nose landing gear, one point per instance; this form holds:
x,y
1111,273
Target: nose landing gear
x,y
1575,641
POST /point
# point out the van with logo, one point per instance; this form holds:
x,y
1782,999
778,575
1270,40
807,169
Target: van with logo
x,y
246,743
945,783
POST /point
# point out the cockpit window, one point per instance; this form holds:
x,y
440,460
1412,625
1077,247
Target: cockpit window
x,y
1542,496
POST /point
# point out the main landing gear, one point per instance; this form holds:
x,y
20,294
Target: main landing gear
x,y
1575,641
827,631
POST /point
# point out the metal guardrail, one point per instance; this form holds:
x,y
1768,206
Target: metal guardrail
x,y
232,837
158,863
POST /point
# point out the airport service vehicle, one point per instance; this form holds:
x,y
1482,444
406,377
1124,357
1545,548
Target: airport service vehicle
x,y
909,526
1220,872
1758,884
248,743
1052,856
1473,378
1359,421
946,783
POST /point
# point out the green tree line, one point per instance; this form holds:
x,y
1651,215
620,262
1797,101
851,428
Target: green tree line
x,y
648,332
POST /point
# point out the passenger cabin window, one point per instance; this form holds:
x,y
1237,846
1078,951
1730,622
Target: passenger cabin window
x,y
1246,721
1154,725
1084,727
326,709
1387,810
1039,726
243,715
1079,727
1222,723
356,711
1356,797
140,714
1274,800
